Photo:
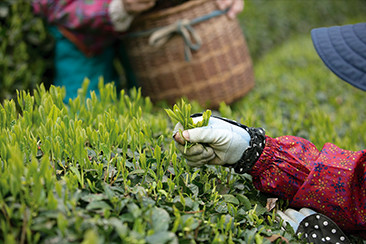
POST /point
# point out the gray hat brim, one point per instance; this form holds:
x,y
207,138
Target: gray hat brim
x,y
343,50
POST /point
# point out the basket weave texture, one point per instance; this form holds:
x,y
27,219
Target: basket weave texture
x,y
220,71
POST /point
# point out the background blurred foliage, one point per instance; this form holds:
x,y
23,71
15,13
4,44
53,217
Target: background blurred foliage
x,y
268,23
26,47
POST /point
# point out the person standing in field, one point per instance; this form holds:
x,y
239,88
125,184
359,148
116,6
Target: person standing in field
x,y
87,35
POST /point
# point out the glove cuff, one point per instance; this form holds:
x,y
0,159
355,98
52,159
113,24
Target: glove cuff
x,y
253,152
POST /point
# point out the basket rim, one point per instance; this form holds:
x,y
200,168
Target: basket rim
x,y
170,11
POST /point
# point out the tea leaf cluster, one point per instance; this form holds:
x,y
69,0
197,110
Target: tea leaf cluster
x,y
182,113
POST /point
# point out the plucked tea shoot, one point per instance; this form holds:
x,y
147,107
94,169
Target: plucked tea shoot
x,y
182,113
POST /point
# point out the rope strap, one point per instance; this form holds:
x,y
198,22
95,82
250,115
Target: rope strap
x,y
183,27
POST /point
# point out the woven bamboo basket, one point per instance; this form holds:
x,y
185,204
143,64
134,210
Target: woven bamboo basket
x,y
219,71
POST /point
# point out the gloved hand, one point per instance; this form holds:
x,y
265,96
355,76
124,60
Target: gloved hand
x,y
315,227
218,143
235,7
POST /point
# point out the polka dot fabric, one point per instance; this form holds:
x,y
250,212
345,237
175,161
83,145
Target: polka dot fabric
x,y
318,228
331,181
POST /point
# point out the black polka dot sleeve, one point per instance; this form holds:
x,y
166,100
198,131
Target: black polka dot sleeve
x,y
318,228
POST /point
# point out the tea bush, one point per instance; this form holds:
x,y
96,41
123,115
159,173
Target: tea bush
x,y
106,170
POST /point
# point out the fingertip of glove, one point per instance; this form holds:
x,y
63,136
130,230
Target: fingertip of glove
x,y
194,164
185,134
178,137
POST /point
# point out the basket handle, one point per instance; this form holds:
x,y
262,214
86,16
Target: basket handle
x,y
160,35
183,27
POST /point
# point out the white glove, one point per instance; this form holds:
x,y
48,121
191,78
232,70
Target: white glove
x,y
219,142
293,217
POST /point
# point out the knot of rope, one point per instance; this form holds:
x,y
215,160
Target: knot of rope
x,y
160,35
183,27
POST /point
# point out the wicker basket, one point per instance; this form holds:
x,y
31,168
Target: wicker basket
x,y
219,71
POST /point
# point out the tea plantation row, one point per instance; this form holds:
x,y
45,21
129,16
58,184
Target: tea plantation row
x,y
105,170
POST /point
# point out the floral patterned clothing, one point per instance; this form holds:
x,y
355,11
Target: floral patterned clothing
x,y
91,25
332,181
86,34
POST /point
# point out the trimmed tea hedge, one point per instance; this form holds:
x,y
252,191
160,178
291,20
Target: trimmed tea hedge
x,y
107,171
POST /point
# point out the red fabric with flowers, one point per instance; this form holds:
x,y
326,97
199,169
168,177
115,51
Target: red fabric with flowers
x,y
332,181
88,21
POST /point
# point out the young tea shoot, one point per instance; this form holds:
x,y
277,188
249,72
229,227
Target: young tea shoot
x,y
182,113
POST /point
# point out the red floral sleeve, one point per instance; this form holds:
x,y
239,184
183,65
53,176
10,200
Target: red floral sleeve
x,y
331,181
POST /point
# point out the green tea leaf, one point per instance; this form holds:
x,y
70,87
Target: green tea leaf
x,y
231,199
160,219
162,237
95,205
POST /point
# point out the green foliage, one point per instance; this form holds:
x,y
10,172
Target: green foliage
x,y
269,23
25,48
181,114
106,170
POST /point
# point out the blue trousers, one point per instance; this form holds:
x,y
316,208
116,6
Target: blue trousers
x,y
72,66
